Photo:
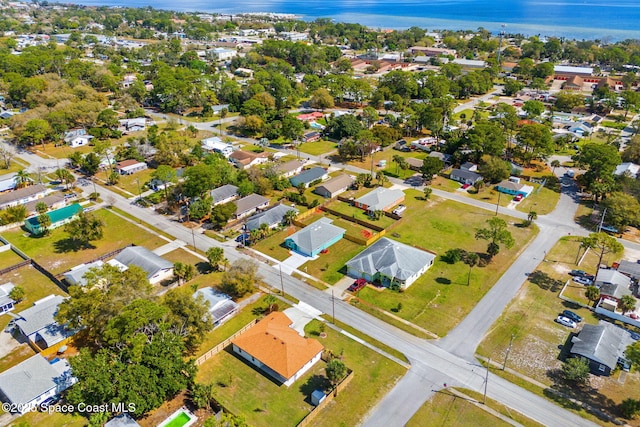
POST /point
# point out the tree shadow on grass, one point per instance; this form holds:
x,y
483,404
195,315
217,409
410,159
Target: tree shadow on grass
x,y
443,281
69,245
315,382
204,267
545,282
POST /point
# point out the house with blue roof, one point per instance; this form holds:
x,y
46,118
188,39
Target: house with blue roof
x,y
58,217
315,238
310,175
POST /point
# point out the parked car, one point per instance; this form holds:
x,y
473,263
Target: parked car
x,y
565,321
581,273
518,198
243,238
465,186
357,285
399,210
583,281
571,315
609,229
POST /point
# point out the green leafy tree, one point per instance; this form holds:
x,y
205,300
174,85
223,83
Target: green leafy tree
x,y
602,244
22,178
35,132
84,229
41,207
533,108
321,99
592,293
601,161
189,316
576,369
215,255
17,293
630,408
90,164
202,395
431,166
166,174
535,141
427,192
220,214
622,209
336,371
494,169
184,272
271,301
241,278
65,176
627,303
472,259
554,164
496,233
44,222
200,209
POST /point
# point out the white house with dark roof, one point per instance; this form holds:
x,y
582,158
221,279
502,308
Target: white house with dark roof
x,y
156,267
38,325
379,199
334,186
33,381
310,175
77,138
390,263
22,196
464,176
8,182
271,217
602,345
221,306
315,237
224,194
250,204
6,302
289,169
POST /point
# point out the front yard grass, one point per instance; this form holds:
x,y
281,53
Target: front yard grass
x,y
440,297
537,338
329,266
250,393
274,244
542,201
129,183
54,253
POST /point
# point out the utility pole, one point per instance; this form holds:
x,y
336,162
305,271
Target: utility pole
x,y
498,204
486,382
504,365
602,220
139,192
333,307
502,33
281,281
193,236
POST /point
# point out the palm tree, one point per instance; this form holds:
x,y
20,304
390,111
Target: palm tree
x,y
290,216
271,300
382,179
533,215
397,159
592,293
554,165
22,178
472,260
627,303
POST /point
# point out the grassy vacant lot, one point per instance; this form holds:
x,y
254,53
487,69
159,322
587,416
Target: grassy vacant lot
x,y
536,337
9,258
352,211
447,409
317,148
55,253
248,392
129,183
328,267
180,255
441,297
542,201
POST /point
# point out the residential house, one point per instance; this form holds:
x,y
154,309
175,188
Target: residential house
x,y
426,144
311,136
156,267
250,204
58,217
603,345
446,158
470,63
75,276
271,217
613,286
278,350
221,54
414,164
77,138
513,187
22,196
246,159
468,166
8,182
309,117
129,167
573,83
133,125
221,306
627,168
464,176
122,420
6,302
289,169
630,268
310,175
432,51
53,201
216,145
390,263
334,186
379,199
38,325
315,238
29,383
224,194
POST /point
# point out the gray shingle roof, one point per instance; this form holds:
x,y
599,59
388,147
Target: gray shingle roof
x,y
308,176
632,268
34,377
122,420
22,193
316,234
336,183
252,201
40,315
271,217
392,259
381,198
220,304
603,343
288,166
465,174
613,277
143,258
510,185
224,192
75,276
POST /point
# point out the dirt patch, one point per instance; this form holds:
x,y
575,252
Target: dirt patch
x,y
535,358
562,269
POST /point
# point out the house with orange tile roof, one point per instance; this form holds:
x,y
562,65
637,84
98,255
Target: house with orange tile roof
x,y
277,349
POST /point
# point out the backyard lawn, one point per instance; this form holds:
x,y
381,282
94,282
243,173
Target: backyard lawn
x,y
328,266
354,212
317,148
440,298
55,253
9,258
248,392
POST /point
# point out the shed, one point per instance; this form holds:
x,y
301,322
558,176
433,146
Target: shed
x,y
317,397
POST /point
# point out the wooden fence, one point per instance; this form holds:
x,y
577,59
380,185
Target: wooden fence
x,y
218,348
352,219
332,394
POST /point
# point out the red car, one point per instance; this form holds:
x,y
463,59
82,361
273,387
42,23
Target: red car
x,y
518,197
357,285
465,186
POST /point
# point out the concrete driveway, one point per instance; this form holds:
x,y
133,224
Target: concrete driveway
x,y
301,314
293,262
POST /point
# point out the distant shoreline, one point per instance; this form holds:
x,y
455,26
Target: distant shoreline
x,y
371,16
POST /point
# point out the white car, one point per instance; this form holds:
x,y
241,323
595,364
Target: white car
x,y
399,210
565,321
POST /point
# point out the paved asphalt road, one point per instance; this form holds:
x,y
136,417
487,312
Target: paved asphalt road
x,y
432,363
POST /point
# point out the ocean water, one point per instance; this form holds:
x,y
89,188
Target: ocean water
x,y
578,19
